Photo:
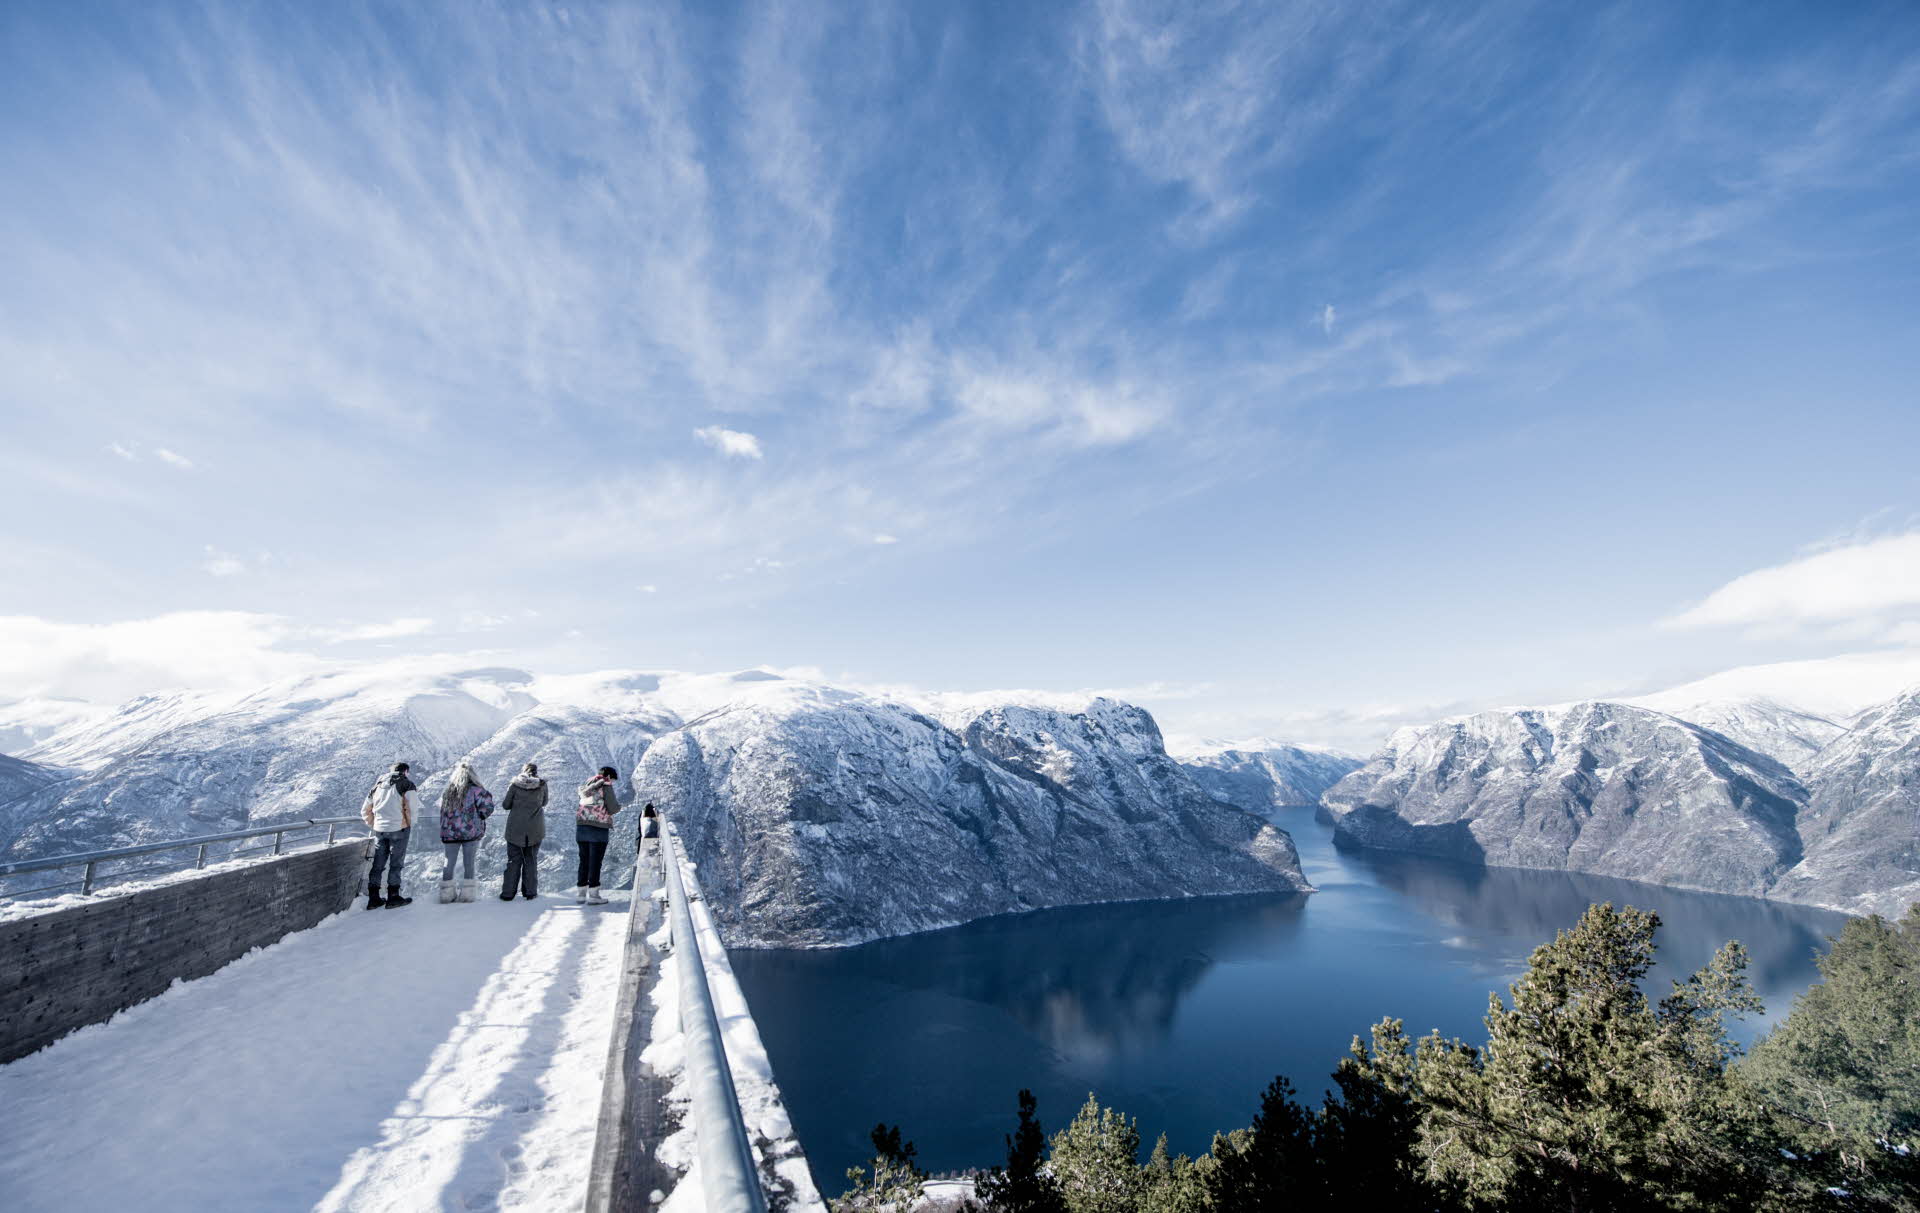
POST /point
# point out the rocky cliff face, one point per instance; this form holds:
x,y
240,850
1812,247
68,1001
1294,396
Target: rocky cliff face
x,y
1594,787
1268,777
818,815
1860,827
821,818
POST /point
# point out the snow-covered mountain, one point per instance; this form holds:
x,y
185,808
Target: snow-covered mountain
x,y
20,781
174,766
1593,787
1786,734
1263,775
818,815
824,817
24,723
1620,790
1861,825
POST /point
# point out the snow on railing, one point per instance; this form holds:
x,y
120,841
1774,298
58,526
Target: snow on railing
x,y
729,1179
89,861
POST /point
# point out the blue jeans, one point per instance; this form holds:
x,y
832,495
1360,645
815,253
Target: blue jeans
x,y
390,853
465,851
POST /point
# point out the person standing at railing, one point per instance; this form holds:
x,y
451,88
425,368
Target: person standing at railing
x,y
526,806
388,812
593,825
464,809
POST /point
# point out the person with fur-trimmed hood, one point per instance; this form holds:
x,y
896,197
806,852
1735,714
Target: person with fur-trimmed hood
x,y
593,826
464,809
526,806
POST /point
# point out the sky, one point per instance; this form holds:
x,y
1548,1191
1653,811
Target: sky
x,y
1293,370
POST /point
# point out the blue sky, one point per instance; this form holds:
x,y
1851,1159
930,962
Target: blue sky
x,y
1295,369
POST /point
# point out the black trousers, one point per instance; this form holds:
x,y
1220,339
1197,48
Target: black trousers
x,y
591,856
523,868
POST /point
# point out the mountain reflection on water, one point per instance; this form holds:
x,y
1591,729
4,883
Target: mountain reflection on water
x,y
1179,1012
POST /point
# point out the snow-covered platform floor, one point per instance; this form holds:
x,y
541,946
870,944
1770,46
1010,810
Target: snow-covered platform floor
x,y
431,1057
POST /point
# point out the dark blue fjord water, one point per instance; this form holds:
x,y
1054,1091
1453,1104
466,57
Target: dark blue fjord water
x,y
1178,1013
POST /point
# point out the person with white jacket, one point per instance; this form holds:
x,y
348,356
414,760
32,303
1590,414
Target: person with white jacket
x,y
388,812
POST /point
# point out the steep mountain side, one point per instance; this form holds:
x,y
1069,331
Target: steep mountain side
x,y
20,783
1594,787
820,817
19,778
1861,825
1273,776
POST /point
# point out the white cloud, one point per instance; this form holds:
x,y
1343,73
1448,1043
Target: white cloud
x,y
1044,398
109,662
122,451
1854,582
392,629
732,443
173,457
1327,318
222,564
885,539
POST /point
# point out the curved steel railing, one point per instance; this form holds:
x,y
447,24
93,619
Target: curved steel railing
x,y
728,1177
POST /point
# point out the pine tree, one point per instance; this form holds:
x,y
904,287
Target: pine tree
x,y
1096,1161
897,1177
1171,1183
1586,1097
1274,1166
1366,1139
1023,1187
1843,1069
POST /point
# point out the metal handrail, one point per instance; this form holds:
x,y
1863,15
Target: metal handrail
x,y
89,860
728,1177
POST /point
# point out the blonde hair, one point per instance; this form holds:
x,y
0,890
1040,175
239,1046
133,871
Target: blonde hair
x,y
458,784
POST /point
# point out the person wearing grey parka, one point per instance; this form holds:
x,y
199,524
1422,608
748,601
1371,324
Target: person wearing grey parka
x,y
526,806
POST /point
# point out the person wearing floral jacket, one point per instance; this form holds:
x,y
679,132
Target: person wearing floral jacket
x,y
464,809
593,826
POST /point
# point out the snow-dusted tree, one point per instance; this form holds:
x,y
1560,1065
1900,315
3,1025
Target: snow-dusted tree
x,y
1096,1161
895,1184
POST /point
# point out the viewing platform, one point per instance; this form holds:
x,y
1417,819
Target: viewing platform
x,y
483,1055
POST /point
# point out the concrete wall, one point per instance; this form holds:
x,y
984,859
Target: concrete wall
x,y
68,968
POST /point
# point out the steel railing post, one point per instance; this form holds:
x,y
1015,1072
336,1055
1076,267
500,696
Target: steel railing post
x,y
200,860
86,881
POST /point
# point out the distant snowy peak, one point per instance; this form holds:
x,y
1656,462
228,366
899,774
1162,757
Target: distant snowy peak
x,y
25,723
1264,775
1598,787
1786,734
1835,688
